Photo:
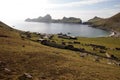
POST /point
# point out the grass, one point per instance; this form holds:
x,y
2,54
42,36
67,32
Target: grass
x,y
44,62
109,42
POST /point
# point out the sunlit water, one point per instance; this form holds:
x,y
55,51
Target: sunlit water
x,y
54,28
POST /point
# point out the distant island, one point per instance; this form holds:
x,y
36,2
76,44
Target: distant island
x,y
48,19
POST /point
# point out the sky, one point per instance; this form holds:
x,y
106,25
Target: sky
x,y
84,9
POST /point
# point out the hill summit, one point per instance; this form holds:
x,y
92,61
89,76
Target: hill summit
x,y
112,23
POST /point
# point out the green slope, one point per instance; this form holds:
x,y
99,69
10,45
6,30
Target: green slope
x,y
112,23
21,55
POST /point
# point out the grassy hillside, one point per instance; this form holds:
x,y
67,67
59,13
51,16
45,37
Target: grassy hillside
x,y
112,23
20,55
110,44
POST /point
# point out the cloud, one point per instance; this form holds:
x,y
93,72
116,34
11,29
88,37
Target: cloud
x,y
21,9
78,3
117,5
85,14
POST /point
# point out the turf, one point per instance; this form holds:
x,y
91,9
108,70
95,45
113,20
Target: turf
x,y
44,62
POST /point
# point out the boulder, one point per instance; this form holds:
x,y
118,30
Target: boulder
x,y
26,76
7,71
102,51
117,48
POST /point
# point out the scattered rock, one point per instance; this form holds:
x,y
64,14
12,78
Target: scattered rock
x,y
53,41
69,47
102,51
94,48
117,63
83,54
22,36
97,46
26,76
63,43
114,57
110,63
7,71
108,55
97,59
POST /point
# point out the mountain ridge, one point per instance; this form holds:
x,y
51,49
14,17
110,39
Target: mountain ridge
x,y
48,19
112,23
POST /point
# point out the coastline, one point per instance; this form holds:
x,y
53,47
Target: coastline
x,y
114,33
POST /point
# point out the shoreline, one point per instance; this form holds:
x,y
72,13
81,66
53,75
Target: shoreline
x,y
113,32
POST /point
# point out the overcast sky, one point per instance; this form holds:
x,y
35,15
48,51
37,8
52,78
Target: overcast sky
x,y
84,9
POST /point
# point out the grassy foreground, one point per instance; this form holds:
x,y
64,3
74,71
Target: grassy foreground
x,y
46,63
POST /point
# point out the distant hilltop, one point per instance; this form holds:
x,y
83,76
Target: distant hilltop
x,y
112,23
47,18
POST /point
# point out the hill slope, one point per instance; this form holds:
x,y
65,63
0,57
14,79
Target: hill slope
x,y
112,23
20,55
